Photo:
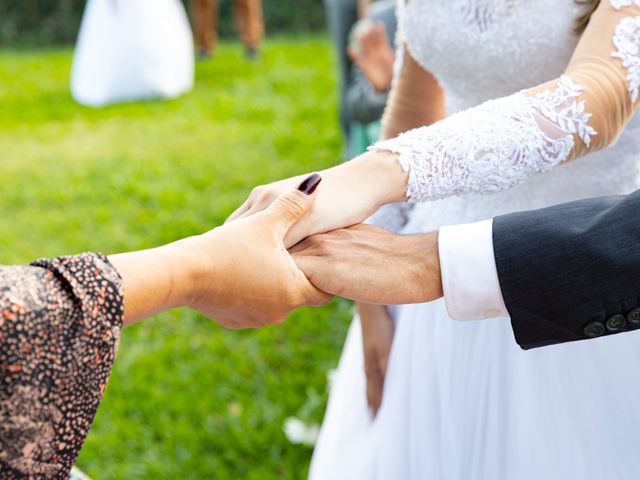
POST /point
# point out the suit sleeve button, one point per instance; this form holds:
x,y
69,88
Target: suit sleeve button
x,y
633,317
616,323
594,329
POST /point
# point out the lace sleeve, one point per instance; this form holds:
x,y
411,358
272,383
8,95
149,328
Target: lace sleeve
x,y
498,144
410,81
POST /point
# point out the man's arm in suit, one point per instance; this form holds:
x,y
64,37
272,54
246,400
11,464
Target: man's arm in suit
x,y
572,271
563,273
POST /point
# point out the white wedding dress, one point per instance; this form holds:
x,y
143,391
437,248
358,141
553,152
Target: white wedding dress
x,y
461,400
132,50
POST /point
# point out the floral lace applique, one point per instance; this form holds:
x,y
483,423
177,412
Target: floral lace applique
x,y
619,4
494,146
627,42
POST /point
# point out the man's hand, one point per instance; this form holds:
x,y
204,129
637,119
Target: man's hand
x,y
372,265
374,56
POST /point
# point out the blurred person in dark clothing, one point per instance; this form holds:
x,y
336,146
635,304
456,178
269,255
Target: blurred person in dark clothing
x,y
371,51
341,15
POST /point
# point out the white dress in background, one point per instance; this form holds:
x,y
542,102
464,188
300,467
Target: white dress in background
x,y
461,400
132,50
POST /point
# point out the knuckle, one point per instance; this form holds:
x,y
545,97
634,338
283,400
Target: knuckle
x,y
257,191
320,245
293,296
293,202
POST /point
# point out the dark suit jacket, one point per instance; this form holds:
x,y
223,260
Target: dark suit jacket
x,y
571,272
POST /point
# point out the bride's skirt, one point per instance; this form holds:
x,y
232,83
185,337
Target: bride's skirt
x,y
463,401
132,50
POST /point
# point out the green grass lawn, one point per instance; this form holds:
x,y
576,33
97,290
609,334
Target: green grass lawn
x,y
186,399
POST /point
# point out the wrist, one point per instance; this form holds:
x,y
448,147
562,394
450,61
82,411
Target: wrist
x,y
424,260
381,171
190,269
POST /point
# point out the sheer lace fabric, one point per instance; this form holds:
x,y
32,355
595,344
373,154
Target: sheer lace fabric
x,y
627,42
499,143
618,4
494,146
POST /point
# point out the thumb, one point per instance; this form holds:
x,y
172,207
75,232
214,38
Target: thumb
x,y
291,207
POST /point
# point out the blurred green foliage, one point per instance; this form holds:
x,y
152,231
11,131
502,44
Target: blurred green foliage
x,y
34,22
186,399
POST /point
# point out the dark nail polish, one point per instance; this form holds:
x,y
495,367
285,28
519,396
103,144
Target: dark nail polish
x,y
309,185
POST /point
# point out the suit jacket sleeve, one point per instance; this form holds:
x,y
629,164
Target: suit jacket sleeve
x,y
571,272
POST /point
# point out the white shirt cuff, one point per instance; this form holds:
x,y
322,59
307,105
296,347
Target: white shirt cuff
x,y
469,276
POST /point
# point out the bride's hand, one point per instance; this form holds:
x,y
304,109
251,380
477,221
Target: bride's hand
x,y
377,337
349,193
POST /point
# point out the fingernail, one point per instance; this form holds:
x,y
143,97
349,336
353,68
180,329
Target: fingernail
x,y
309,184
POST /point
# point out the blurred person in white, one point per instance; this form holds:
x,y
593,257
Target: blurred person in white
x,y
132,50
540,99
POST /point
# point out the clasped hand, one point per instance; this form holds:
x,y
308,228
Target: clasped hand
x,y
341,257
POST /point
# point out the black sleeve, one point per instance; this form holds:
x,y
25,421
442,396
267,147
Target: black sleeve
x,y
571,272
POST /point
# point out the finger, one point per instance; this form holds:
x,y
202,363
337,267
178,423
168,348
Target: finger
x,y
291,207
239,212
383,362
313,295
352,54
306,246
315,272
380,27
374,391
255,208
316,297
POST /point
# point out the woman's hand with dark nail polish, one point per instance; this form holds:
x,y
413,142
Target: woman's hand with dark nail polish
x,y
309,184
350,193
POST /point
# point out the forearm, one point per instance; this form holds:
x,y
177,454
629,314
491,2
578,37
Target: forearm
x,y
376,176
158,279
415,100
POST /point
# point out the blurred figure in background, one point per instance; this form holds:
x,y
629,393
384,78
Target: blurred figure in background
x,y
341,15
132,50
249,23
371,50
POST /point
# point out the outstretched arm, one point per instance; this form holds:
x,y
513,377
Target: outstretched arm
x,y
498,144
60,322
562,273
215,273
